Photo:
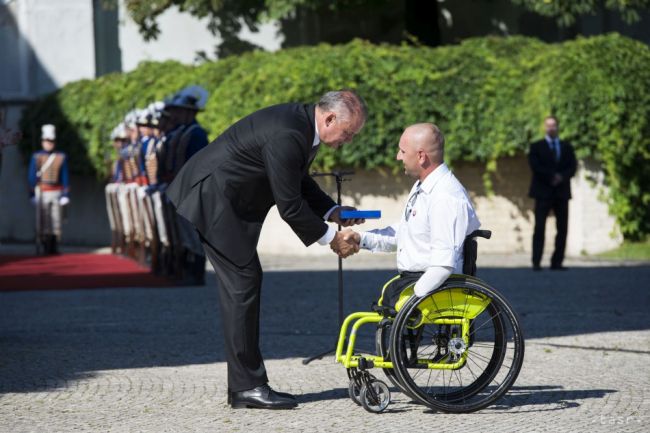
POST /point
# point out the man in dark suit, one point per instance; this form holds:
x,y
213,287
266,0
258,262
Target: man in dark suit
x,y
226,189
553,163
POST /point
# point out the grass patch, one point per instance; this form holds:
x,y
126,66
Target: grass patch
x,y
629,251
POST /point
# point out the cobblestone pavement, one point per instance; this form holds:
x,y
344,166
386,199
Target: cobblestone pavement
x,y
150,360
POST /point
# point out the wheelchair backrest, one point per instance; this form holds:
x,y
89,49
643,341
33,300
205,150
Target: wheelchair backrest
x,y
470,250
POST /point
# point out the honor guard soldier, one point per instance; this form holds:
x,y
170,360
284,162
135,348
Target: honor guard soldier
x,y
151,157
147,147
115,218
49,185
184,142
127,193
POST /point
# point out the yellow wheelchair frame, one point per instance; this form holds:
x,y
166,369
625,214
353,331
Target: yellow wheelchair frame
x,y
453,307
437,310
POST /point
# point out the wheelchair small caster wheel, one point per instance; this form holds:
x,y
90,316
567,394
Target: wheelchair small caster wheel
x,y
354,391
374,396
354,387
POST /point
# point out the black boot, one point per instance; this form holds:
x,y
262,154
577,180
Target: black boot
x,y
55,245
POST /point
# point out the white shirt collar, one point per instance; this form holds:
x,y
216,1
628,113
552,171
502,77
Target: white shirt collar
x,y
432,178
316,136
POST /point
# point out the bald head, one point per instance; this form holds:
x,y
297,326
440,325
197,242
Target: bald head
x,y
428,138
421,149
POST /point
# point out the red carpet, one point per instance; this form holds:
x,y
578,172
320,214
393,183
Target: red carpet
x,y
74,271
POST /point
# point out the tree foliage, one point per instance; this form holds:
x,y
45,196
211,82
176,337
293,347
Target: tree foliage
x,y
489,96
225,17
566,11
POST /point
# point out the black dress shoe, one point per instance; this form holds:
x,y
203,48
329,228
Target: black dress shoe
x,y
286,395
559,268
537,268
262,397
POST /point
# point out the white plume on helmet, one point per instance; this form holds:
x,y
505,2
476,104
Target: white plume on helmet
x,y
119,132
131,118
48,132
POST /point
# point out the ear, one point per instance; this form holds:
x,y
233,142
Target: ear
x,y
422,157
329,119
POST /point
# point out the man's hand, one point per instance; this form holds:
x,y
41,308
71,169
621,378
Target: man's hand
x,y
344,244
351,235
335,217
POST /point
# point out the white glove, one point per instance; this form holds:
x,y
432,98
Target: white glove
x,y
64,201
32,200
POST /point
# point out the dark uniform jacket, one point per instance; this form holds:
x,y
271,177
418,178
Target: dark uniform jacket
x,y
227,188
544,165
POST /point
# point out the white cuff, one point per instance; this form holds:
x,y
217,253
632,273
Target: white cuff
x,y
328,236
329,212
365,242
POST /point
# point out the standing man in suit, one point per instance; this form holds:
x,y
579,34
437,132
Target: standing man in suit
x,y
553,163
226,189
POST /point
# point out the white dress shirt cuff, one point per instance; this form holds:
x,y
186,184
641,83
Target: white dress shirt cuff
x,y
365,241
328,236
432,278
329,212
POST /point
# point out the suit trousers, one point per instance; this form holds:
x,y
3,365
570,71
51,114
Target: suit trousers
x,y
560,208
239,302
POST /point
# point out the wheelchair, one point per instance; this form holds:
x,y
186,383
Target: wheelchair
x,y
456,350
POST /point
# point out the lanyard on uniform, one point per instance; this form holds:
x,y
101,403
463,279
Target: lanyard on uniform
x,y
49,161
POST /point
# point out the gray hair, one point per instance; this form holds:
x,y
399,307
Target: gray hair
x,y
346,103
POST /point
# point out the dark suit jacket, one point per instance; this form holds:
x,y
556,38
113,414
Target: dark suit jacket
x,y
227,188
543,163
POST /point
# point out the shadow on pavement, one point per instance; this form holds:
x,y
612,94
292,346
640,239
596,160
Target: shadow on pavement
x,y
552,397
68,335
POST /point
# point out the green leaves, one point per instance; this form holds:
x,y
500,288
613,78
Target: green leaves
x,y
566,11
488,95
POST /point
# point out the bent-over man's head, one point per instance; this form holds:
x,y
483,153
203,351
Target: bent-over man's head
x,y
421,149
340,115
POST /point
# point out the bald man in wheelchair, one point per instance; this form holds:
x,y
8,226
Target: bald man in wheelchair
x,y
429,238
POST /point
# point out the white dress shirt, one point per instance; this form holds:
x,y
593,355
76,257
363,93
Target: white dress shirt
x,y
330,233
440,217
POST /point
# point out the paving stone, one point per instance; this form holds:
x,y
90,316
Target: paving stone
x,y
151,360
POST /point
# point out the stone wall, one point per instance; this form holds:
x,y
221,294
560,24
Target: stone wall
x,y
508,212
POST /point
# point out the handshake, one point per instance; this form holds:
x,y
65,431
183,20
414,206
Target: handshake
x,y
346,243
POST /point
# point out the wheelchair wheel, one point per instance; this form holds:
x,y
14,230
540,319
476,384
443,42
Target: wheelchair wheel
x,y
375,396
469,372
354,391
